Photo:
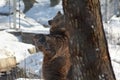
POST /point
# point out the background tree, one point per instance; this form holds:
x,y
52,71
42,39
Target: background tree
x,y
54,2
28,4
118,8
88,46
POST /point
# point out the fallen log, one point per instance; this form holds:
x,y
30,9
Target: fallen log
x,y
7,64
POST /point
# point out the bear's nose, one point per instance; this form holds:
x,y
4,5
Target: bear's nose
x,y
50,22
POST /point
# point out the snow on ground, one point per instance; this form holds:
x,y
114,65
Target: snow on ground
x,y
10,43
33,64
42,12
32,22
28,79
115,57
26,24
112,30
10,46
2,3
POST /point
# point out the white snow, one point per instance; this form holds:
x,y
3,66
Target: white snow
x,y
11,44
33,64
112,30
42,12
2,2
27,79
33,22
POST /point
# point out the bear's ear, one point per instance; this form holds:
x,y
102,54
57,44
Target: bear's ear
x,y
50,22
59,13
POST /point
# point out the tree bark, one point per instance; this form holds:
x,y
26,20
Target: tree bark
x,y
88,46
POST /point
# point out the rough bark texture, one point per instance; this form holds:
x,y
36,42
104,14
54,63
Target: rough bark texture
x,y
88,47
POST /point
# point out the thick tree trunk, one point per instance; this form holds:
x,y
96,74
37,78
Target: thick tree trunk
x,y
88,47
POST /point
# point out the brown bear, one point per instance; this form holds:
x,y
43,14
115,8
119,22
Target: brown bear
x,y
57,24
56,62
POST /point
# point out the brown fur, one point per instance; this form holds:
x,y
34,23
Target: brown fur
x,y
57,24
56,63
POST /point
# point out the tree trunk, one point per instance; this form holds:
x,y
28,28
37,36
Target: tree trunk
x,y
28,4
54,2
88,46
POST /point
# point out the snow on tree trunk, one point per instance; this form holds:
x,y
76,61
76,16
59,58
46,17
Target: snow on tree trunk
x,y
88,47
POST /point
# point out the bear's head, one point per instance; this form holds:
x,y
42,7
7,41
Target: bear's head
x,y
57,24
